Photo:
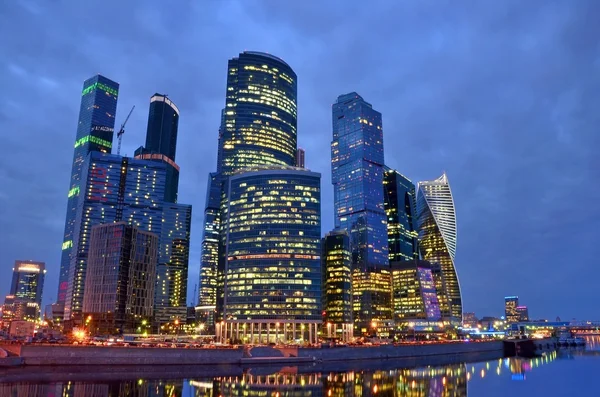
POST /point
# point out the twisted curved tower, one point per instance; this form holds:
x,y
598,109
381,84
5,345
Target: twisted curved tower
x,y
436,218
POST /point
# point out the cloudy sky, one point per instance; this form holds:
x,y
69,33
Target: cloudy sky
x,y
502,95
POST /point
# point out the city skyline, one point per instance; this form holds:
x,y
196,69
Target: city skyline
x,y
492,177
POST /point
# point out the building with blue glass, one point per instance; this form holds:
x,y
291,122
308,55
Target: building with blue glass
x,y
400,208
436,220
28,281
272,269
94,134
357,172
161,141
170,301
113,189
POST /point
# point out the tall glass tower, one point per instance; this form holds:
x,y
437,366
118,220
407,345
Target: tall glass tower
x,y
357,169
94,134
260,116
28,281
258,128
436,218
161,141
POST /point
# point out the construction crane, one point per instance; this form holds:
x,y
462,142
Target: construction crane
x,y
122,131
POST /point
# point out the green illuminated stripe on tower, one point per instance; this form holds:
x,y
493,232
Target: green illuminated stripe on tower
x,y
100,86
93,139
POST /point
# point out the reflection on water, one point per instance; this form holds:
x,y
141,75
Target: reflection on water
x,y
429,381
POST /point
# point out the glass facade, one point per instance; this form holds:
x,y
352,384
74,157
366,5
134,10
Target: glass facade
x,y
357,173
113,188
95,131
119,293
400,209
436,218
260,117
272,272
337,285
170,300
28,281
161,141
414,293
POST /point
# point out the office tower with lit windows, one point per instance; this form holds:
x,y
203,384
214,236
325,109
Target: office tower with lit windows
x,y
400,208
113,189
337,285
161,141
272,269
414,294
207,293
300,158
510,309
94,134
258,128
173,260
119,282
436,219
523,313
28,281
357,171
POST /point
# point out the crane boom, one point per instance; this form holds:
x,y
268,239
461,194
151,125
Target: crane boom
x,y
122,130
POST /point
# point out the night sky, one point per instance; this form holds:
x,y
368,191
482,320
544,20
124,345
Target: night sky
x,y
504,96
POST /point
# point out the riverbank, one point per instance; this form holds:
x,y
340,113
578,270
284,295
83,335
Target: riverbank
x,y
69,355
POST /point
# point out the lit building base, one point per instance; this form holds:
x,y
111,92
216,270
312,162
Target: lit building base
x,y
267,331
343,332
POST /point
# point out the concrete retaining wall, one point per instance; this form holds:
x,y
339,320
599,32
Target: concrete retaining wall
x,y
93,355
401,351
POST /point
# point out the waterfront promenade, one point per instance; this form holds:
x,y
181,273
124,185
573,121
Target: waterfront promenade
x,y
63,355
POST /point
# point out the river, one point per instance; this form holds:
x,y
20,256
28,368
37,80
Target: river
x,y
567,372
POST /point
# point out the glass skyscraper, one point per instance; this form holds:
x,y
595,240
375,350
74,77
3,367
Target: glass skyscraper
x,y
272,272
260,117
357,169
161,141
258,128
400,208
436,218
510,309
113,188
28,281
94,134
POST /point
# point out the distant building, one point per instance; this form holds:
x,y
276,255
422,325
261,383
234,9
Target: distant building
x,y
337,285
28,281
95,132
300,158
120,279
436,218
20,309
161,141
523,313
272,269
357,161
414,293
400,208
510,309
469,320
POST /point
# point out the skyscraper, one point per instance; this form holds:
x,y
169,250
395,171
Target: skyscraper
x,y
300,157
121,269
337,285
260,117
510,309
94,134
400,208
258,128
272,270
28,281
161,141
436,218
357,176
113,189
173,260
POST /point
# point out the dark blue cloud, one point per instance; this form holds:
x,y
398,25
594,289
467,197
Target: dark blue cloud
x,y
503,97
